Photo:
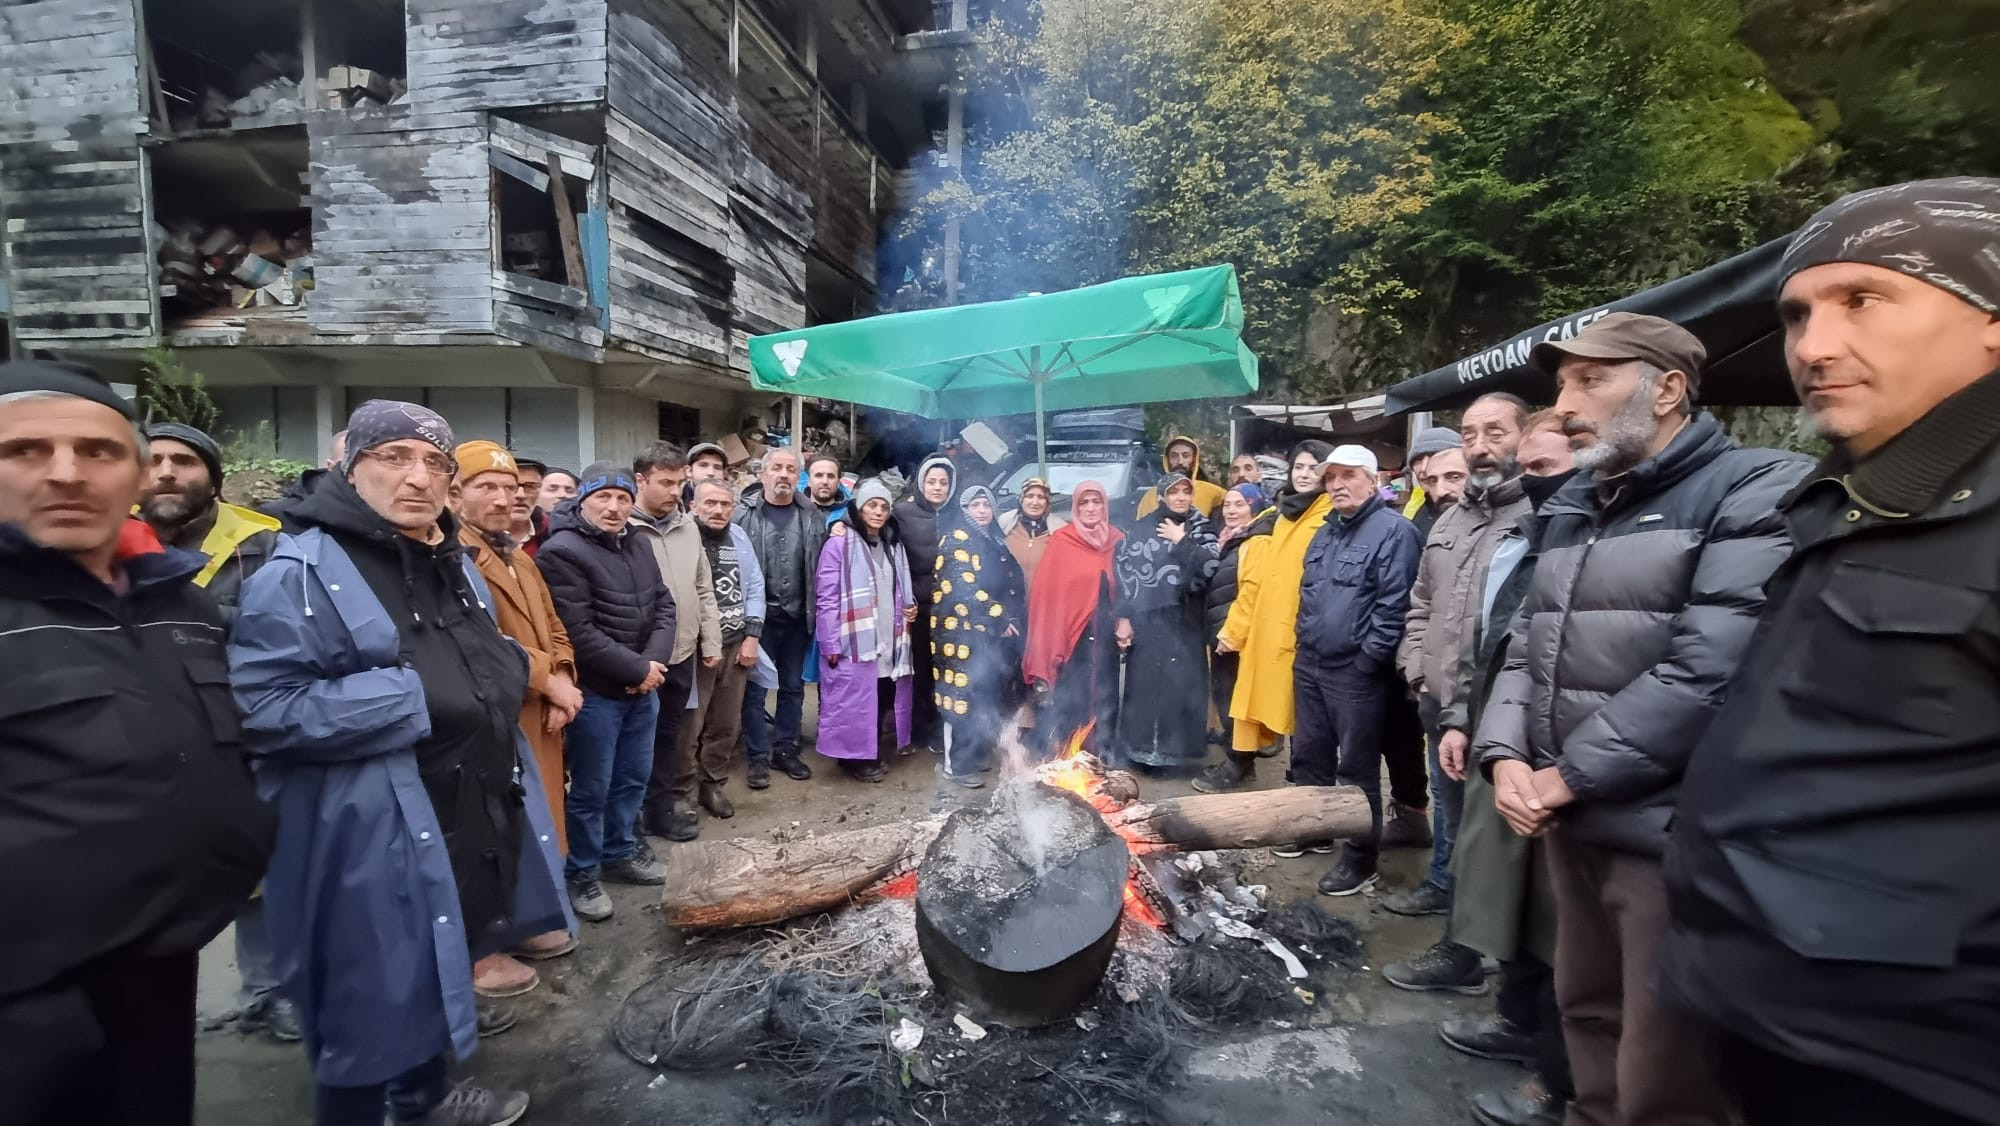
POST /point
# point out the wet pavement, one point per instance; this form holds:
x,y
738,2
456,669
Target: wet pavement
x,y
1377,1060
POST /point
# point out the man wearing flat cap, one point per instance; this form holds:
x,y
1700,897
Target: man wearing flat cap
x,y
1652,563
383,705
1836,912
130,828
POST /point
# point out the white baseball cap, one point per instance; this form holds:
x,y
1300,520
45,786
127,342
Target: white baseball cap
x,y
1360,457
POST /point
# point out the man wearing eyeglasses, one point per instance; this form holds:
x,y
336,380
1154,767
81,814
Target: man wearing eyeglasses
x,y
382,704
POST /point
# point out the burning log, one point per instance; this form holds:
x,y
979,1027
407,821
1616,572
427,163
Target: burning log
x,y
752,882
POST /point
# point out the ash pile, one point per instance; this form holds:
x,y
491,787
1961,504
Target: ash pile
x,y
1035,973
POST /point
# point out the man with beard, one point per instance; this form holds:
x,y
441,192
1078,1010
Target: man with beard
x,y
1183,457
1836,919
786,538
183,507
1443,480
384,706
1651,574
1444,612
709,733
1422,509
130,827
829,495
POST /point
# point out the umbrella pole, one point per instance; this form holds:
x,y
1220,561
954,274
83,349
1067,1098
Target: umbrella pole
x,y
1041,432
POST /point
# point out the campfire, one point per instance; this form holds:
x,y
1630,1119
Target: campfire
x,y
878,969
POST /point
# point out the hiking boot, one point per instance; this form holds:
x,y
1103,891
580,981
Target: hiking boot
x,y
646,873
758,775
1489,1038
792,766
969,781
683,825
1425,899
1347,877
543,947
497,975
476,1106
588,900
1406,827
717,803
1234,772
1530,1104
274,1016
495,1018
1445,968
864,770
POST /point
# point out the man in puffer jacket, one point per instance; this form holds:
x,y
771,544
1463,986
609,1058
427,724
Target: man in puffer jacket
x,y
1652,569
621,620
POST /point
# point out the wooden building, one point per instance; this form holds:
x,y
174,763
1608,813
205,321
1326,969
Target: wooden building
x,y
556,221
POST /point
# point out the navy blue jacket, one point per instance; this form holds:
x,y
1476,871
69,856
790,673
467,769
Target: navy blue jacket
x,y
1356,593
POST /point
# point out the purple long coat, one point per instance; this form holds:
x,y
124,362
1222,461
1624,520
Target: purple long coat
x,y
849,724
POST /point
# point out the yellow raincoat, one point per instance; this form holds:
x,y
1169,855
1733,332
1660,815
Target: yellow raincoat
x,y
1262,626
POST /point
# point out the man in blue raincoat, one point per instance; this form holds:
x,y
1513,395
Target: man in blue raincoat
x,y
382,703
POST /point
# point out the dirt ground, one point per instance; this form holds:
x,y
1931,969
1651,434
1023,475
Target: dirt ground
x,y
1379,1062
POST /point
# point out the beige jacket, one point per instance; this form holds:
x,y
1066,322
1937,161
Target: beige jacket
x,y
1446,603
684,566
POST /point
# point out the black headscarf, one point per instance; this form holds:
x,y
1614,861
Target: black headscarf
x,y
1292,503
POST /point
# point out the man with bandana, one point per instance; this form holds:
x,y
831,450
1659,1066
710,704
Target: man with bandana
x,y
1835,912
1651,573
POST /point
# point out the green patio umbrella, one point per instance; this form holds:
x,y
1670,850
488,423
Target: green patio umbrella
x,y
1146,339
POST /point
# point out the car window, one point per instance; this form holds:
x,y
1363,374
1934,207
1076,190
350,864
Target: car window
x,y
1063,479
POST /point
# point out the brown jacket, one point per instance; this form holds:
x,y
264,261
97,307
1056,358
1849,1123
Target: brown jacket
x,y
1445,605
1028,549
526,613
684,569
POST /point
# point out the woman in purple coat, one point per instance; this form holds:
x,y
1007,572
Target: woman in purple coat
x,y
864,610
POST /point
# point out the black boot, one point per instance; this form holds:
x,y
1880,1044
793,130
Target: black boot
x,y
1235,772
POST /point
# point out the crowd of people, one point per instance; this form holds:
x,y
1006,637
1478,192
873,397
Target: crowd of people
x,y
1704,735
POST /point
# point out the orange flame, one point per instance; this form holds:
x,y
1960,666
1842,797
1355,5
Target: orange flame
x,y
902,887
1137,907
1073,775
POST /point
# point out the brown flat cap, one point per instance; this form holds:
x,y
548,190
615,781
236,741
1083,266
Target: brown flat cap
x,y
1628,336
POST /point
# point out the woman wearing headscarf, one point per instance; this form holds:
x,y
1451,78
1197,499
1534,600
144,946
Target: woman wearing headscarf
x,y
917,525
1246,516
977,616
864,609
1029,527
1163,569
1072,652
1261,623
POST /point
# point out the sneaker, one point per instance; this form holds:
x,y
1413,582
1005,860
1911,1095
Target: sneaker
x,y
1489,1038
588,900
969,781
759,775
793,767
495,1019
645,873
1406,827
476,1106
1323,848
1289,851
274,1016
543,947
497,975
1347,878
717,803
683,825
1234,772
1425,899
1274,748
1530,1104
1445,968
642,849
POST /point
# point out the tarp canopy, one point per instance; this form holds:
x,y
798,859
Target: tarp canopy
x,y
1730,306
1136,340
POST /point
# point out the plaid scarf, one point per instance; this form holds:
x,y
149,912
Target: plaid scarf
x,y
858,605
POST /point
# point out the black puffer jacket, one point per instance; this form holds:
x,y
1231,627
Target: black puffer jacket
x,y
1222,588
1644,598
609,596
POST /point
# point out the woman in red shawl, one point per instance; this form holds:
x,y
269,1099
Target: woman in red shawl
x,y
1072,658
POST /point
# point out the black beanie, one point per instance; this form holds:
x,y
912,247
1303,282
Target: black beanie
x,y
54,376
203,445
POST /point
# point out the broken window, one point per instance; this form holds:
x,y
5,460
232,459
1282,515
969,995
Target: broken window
x,y
230,64
547,217
233,230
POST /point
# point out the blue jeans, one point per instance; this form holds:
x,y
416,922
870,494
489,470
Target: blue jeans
x,y
409,1097
1447,797
789,642
609,752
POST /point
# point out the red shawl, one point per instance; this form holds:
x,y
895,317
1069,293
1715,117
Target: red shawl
x,y
1064,597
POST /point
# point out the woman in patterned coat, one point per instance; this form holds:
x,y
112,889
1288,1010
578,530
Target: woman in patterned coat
x,y
977,617
1163,569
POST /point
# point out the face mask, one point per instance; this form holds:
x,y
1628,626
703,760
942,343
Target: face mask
x,y
1540,489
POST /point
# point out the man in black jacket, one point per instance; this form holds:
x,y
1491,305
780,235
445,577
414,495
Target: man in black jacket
x,y
786,537
1651,573
130,827
607,589
1835,912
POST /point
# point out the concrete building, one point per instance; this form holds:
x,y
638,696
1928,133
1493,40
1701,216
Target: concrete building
x,y
555,221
